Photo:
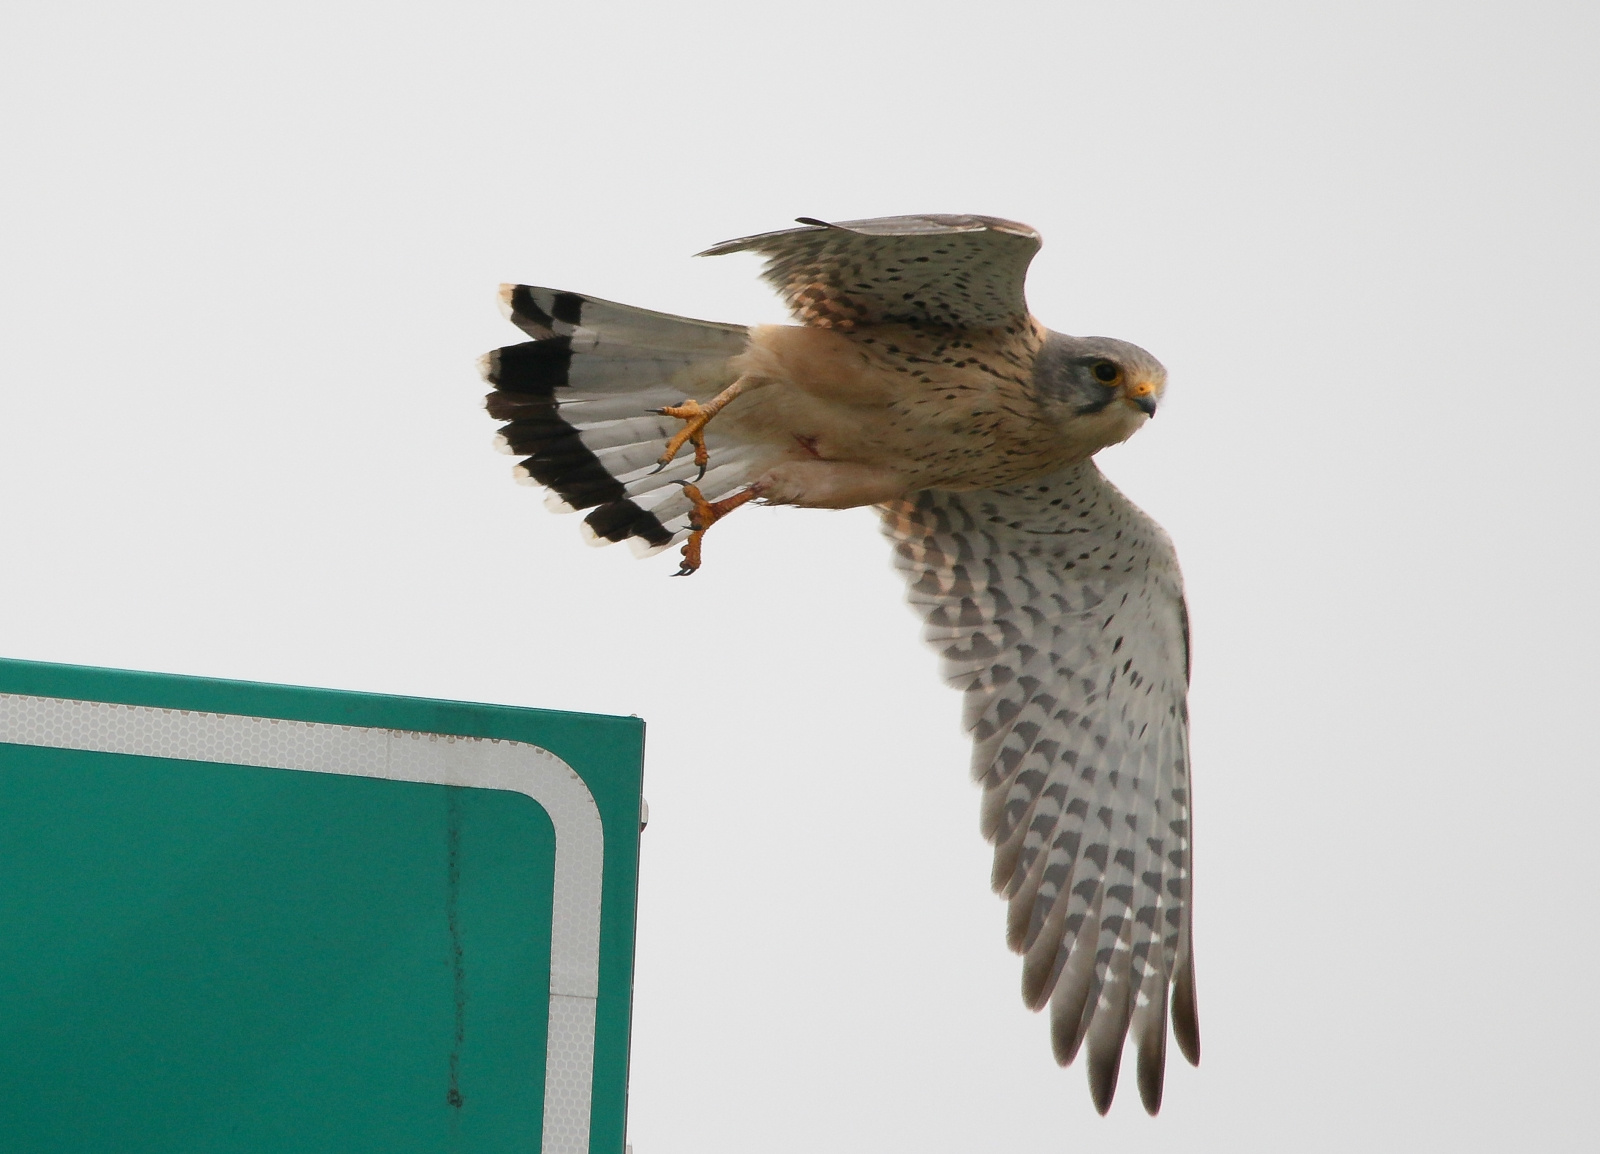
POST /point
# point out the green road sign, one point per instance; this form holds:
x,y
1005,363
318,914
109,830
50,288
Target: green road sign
x,y
255,918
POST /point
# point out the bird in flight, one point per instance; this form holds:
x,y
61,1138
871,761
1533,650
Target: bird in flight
x,y
917,381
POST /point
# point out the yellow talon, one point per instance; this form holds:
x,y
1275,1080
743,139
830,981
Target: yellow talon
x,y
696,416
704,515
692,432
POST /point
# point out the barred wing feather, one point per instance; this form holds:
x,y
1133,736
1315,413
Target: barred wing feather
x,y
952,271
1058,608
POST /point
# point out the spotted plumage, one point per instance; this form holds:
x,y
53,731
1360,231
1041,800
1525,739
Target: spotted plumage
x,y
918,381
961,272
1057,608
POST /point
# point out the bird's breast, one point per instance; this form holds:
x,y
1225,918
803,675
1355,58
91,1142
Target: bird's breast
x,y
949,409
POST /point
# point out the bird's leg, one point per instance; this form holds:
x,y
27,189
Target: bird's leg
x,y
706,514
695,417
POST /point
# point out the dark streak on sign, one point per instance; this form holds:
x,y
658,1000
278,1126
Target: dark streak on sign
x,y
458,970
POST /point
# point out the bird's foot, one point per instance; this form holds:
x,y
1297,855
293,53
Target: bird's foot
x,y
704,515
695,417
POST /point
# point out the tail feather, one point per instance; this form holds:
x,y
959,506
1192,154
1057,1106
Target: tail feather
x,y
543,313
558,370
578,399
660,496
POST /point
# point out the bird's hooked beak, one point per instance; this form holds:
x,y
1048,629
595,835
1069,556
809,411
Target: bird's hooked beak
x,y
1142,396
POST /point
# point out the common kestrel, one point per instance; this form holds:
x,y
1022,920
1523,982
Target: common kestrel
x,y
918,381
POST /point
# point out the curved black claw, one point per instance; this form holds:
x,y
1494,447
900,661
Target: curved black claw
x,y
685,571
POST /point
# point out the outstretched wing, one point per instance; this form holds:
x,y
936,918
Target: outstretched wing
x,y
956,271
1057,606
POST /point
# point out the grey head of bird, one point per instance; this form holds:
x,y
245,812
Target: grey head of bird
x,y
1099,390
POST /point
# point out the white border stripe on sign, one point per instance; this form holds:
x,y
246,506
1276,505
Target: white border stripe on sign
x,y
398,755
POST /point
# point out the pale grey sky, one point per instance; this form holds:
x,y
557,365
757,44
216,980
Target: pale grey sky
x,y
250,257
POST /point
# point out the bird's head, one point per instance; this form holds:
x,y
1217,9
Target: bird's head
x,y
1100,390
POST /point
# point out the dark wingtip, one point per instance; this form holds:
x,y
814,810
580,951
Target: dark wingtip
x,y
1019,917
1041,970
811,220
1150,1078
1185,1014
1103,1078
1105,1051
1152,1072
1070,1011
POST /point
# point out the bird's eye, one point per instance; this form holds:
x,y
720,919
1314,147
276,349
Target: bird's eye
x,y
1106,371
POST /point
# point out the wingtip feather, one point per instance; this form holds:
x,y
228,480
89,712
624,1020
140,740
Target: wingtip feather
x,y
1152,1072
1103,1069
1107,1036
1153,1051
1069,1006
1185,1013
1044,961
